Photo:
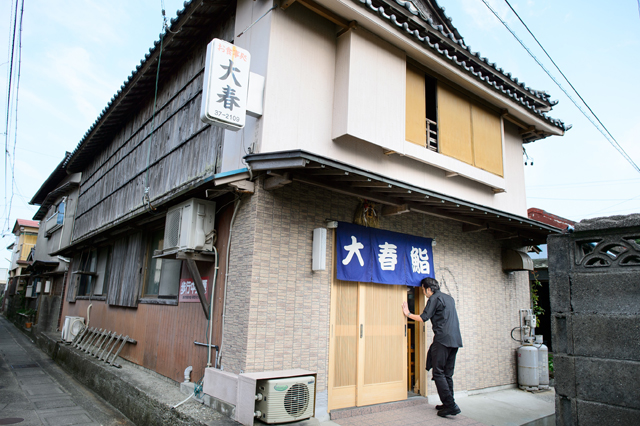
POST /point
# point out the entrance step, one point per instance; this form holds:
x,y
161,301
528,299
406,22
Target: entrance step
x,y
378,408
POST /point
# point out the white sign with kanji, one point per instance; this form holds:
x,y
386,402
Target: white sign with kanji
x,y
226,80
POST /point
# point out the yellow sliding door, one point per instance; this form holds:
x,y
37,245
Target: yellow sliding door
x,y
344,344
382,344
368,363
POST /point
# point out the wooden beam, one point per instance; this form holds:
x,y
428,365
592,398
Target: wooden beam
x,y
360,194
395,210
467,228
439,213
197,280
324,12
370,185
277,182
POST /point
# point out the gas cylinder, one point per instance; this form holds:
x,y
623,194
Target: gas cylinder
x,y
528,377
543,363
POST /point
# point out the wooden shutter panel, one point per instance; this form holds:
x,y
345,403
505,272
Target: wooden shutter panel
x,y
487,140
415,113
454,125
125,275
74,279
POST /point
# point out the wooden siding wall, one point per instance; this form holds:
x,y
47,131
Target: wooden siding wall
x,y
184,150
166,333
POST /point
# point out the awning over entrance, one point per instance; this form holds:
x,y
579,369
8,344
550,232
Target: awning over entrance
x,y
397,197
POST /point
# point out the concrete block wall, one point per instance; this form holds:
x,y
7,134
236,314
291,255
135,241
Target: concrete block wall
x,y
278,310
595,303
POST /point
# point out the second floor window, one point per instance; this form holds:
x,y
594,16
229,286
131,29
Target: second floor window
x,y
444,119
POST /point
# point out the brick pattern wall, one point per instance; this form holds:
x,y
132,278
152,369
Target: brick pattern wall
x,y
278,309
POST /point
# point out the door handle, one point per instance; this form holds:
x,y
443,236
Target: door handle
x,y
361,328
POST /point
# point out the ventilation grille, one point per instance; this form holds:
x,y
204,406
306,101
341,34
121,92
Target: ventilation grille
x,y
172,229
296,400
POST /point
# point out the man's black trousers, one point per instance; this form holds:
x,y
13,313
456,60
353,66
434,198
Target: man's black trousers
x,y
443,362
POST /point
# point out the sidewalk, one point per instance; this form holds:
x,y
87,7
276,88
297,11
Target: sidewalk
x,y
35,391
506,407
34,387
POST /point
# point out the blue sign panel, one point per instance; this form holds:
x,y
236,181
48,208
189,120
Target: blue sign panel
x,y
385,257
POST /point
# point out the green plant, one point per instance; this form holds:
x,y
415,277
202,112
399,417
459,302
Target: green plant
x,y
27,312
550,365
537,309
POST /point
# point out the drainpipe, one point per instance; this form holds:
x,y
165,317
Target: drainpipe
x,y
226,282
213,290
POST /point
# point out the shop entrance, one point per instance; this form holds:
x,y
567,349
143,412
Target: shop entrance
x,y
415,345
368,358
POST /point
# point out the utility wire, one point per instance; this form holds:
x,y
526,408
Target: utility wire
x,y
567,80
15,131
607,135
146,201
16,31
8,118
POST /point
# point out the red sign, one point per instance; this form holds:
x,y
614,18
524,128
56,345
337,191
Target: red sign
x,y
188,292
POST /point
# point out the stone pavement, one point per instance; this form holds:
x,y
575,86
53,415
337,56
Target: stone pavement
x,y
415,412
36,391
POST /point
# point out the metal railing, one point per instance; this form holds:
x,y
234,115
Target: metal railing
x,y
432,135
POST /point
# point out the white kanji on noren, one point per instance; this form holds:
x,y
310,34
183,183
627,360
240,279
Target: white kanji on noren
x,y
420,260
353,248
388,257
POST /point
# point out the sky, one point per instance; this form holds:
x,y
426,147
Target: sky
x,y
76,54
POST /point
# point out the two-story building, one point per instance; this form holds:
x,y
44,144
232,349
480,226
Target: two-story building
x,y
57,198
373,112
26,232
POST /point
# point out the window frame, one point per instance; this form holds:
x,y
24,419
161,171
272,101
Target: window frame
x,y
93,275
157,298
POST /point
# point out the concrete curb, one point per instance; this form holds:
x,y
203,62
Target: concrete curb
x,y
139,395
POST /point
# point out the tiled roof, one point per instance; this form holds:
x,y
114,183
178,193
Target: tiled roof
x,y
27,222
454,49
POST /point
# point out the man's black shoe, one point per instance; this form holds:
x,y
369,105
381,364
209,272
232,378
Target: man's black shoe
x,y
449,411
439,407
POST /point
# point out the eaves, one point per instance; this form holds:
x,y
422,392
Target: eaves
x,y
397,197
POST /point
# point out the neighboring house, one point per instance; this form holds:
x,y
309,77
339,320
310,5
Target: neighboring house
x,y
4,273
540,273
26,232
377,111
57,198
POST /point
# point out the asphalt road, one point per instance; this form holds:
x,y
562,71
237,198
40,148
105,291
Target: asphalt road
x,y
34,390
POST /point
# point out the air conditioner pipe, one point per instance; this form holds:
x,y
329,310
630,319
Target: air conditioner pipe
x,y
226,281
213,288
187,374
88,311
180,403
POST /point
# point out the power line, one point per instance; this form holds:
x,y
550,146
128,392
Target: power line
x,y
567,80
580,184
8,118
577,199
607,135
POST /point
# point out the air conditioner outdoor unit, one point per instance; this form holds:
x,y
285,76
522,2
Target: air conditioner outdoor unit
x,y
72,326
190,226
286,400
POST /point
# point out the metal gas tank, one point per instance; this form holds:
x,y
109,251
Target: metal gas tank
x,y
528,376
543,363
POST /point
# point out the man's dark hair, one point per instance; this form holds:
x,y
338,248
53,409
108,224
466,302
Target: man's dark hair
x,y
431,283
